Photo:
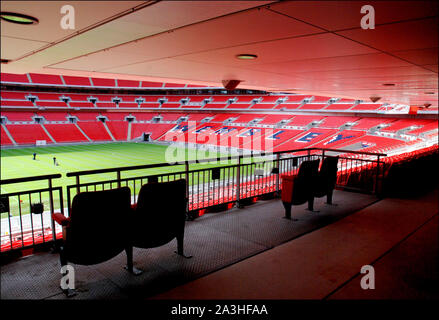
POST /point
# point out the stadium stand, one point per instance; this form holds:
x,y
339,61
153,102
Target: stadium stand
x,y
16,103
339,106
53,116
46,79
18,116
366,107
288,106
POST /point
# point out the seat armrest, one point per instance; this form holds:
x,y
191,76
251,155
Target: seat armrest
x,y
61,219
287,188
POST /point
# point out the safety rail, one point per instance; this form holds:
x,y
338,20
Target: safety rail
x,y
228,181
26,215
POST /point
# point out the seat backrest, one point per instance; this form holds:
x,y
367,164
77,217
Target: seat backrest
x,y
160,213
328,170
308,169
305,181
97,230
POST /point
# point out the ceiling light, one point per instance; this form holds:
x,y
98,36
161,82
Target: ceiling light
x,y
429,92
246,56
5,61
18,18
388,84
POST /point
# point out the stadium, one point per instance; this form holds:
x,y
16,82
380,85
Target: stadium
x,y
119,119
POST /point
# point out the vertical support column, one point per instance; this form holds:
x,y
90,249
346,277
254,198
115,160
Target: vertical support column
x,y
118,179
377,176
278,175
186,168
78,189
238,183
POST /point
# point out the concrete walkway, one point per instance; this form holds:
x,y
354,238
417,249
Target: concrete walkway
x,y
398,237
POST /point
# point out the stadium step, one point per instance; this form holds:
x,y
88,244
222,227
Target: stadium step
x,y
322,263
129,132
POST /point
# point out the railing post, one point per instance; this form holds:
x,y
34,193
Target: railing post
x,y
78,189
377,177
238,182
186,165
309,154
118,179
278,175
51,210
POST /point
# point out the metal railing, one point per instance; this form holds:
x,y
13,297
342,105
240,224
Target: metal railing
x,y
228,181
26,215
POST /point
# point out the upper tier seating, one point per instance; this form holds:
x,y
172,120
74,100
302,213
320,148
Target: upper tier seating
x,y
81,104
272,119
18,116
368,123
13,95
302,121
50,104
336,122
404,124
264,106
238,106
366,107
313,106
46,78
85,116
288,106
16,103
53,116
339,106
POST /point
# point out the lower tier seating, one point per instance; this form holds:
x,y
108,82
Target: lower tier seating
x,y
5,138
119,129
27,133
65,132
95,130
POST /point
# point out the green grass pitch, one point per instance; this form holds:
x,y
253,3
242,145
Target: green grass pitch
x,y
18,162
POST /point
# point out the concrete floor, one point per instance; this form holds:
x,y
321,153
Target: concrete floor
x,y
399,238
254,253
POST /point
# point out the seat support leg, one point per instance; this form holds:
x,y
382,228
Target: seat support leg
x,y
130,267
180,246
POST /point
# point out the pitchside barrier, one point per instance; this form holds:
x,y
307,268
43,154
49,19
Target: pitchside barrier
x,y
227,181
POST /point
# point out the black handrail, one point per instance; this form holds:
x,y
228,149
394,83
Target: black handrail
x,y
220,158
27,179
